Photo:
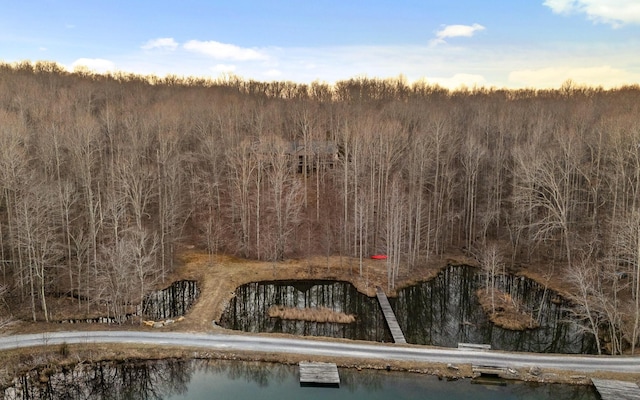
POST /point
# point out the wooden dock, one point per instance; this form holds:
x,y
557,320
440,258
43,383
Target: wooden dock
x,y
319,374
392,322
618,390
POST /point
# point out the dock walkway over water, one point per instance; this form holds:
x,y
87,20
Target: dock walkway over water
x,y
390,316
616,390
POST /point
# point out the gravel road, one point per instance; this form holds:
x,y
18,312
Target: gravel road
x,y
311,347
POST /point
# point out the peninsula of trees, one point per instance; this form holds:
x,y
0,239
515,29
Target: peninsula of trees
x,y
102,177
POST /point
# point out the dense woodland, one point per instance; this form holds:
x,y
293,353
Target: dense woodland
x,y
104,177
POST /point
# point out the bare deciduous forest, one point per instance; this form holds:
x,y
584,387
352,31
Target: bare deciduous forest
x,y
103,177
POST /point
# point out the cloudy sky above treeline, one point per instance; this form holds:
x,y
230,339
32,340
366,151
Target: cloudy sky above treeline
x,y
493,43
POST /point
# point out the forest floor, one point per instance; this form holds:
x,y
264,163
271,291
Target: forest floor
x,y
218,276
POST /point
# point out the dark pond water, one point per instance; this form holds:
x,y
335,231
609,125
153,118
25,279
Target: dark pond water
x,y
198,379
443,312
171,302
248,310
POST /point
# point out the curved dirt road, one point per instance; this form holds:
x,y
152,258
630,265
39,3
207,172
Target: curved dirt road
x,y
312,347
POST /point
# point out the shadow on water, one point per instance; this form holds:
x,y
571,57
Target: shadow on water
x,y
203,379
248,310
171,302
444,311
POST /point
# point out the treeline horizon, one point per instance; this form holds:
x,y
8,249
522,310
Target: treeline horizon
x,y
103,177
317,89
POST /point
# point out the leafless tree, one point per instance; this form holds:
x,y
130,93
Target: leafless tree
x,y
492,264
627,257
395,231
584,277
546,191
127,271
38,240
473,153
84,156
6,319
171,186
285,197
242,164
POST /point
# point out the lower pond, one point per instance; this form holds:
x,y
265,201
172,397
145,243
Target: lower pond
x,y
443,311
201,379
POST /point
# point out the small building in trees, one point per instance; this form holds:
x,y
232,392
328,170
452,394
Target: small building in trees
x,y
312,155
315,154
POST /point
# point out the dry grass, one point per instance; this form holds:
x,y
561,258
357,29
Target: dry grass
x,y
507,314
218,277
313,314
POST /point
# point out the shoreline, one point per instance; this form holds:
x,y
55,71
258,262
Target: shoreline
x,y
52,361
219,276
56,356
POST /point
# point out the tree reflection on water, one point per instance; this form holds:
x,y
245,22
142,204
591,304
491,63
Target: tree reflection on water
x,y
248,310
443,311
105,380
207,379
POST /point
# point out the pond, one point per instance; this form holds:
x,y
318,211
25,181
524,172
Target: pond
x,y
443,311
171,302
248,310
202,379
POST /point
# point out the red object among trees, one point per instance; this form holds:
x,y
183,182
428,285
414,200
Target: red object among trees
x,y
379,256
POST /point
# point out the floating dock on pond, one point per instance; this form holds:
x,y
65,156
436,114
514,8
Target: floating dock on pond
x,y
618,390
319,374
390,316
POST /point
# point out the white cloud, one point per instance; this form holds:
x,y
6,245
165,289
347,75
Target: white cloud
x,y
224,68
547,65
224,51
161,43
605,76
273,73
94,64
450,31
614,12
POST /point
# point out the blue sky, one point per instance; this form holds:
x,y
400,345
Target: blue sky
x,y
501,43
